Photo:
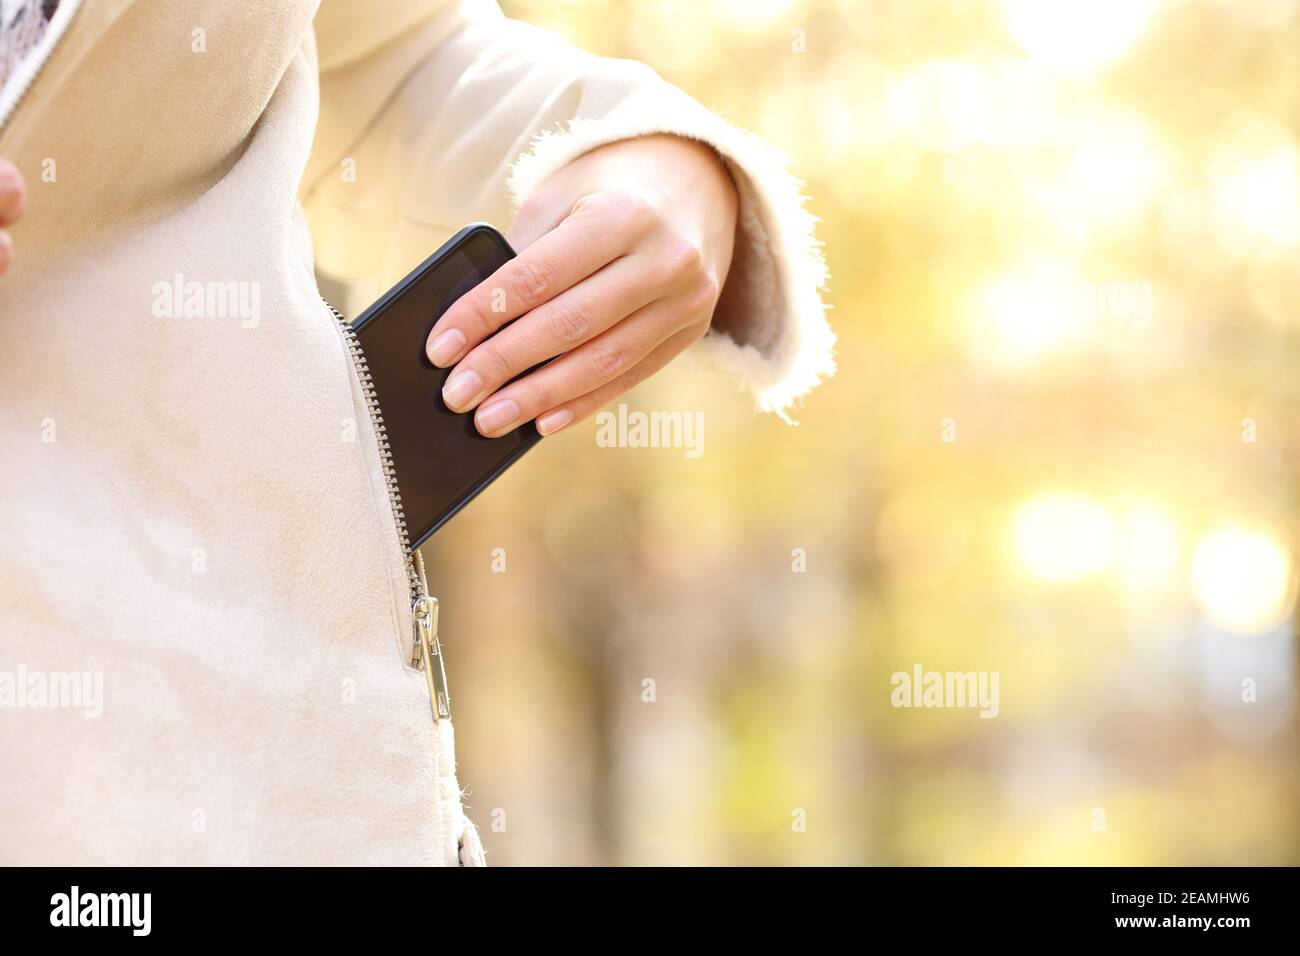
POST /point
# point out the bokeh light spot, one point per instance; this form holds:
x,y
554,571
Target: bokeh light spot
x,y
1243,579
1255,175
1061,537
1076,36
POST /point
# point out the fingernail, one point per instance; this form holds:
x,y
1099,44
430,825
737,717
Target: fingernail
x,y
446,347
497,415
461,388
554,421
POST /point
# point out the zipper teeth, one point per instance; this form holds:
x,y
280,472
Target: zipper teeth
x,y
54,41
359,363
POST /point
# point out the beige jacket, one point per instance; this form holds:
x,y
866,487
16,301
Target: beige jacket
x,y
205,611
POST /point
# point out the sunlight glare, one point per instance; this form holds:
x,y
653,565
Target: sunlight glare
x,y
1255,176
1025,316
1243,580
1076,36
1061,537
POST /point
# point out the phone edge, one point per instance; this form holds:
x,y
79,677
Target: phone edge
x,y
531,442
410,278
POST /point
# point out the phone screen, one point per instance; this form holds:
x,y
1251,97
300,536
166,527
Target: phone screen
x,y
440,459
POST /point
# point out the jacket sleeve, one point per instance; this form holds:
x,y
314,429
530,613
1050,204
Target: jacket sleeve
x,y
462,113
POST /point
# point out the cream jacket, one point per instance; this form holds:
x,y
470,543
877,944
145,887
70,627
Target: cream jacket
x,y
205,616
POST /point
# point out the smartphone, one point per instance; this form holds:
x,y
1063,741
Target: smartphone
x,y
440,459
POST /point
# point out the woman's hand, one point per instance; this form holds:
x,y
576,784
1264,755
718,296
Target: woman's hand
x,y
624,252
13,193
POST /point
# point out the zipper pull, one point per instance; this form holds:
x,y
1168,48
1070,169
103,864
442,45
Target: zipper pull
x,y
427,652
430,651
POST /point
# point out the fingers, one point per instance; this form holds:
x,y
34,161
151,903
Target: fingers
x,y
13,194
583,243
565,322
606,358
570,413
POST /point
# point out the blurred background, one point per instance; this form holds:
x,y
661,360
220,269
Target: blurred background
x,y
1061,447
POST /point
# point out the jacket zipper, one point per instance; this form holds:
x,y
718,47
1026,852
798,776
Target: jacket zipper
x,y
425,615
426,653
60,31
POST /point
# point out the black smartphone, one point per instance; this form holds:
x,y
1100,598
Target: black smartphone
x,y
440,459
